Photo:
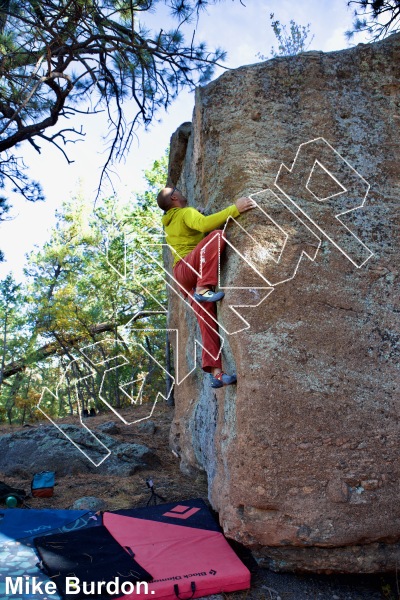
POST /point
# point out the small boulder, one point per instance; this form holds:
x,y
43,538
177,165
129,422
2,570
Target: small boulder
x,y
147,427
110,427
89,503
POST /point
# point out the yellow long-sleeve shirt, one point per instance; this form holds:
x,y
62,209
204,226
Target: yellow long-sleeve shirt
x,y
186,227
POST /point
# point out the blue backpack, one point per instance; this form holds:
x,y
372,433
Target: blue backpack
x,y
43,483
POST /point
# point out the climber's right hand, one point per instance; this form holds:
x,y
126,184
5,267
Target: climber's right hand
x,y
243,204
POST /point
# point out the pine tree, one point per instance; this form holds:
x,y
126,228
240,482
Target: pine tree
x,y
61,59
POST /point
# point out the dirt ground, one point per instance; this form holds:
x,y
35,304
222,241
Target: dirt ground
x,y
126,492
171,484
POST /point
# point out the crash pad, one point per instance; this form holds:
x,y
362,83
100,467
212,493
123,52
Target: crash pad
x,y
182,546
18,528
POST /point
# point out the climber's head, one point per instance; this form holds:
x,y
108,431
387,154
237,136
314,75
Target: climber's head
x,y
171,198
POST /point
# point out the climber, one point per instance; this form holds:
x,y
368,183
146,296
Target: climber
x,y
195,268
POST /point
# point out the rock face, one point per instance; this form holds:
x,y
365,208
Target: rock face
x,y
302,455
45,448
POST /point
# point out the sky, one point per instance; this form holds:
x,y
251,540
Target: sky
x,y
243,30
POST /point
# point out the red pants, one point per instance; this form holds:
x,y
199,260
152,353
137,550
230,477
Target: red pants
x,y
203,272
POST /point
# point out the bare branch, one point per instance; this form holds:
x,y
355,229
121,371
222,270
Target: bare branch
x,y
95,55
28,97
379,18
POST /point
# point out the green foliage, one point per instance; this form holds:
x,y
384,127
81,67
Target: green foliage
x,y
378,18
291,42
83,286
155,179
8,294
13,340
11,315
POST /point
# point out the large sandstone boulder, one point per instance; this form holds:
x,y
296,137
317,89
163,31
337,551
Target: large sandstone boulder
x,y
302,456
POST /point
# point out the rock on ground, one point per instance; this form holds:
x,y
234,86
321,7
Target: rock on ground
x,y
148,427
109,427
46,448
302,455
89,503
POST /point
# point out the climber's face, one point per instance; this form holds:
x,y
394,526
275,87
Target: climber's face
x,y
178,199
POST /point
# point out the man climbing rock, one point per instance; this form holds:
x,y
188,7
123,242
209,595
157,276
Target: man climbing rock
x,y
196,260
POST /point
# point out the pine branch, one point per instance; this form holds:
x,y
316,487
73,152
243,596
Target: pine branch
x,y
69,343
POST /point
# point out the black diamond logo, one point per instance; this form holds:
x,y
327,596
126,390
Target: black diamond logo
x,y
212,572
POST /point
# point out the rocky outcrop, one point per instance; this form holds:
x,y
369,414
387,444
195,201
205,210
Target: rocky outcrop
x,y
179,143
46,448
302,456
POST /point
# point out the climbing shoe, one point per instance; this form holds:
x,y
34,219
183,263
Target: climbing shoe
x,y
209,296
222,379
